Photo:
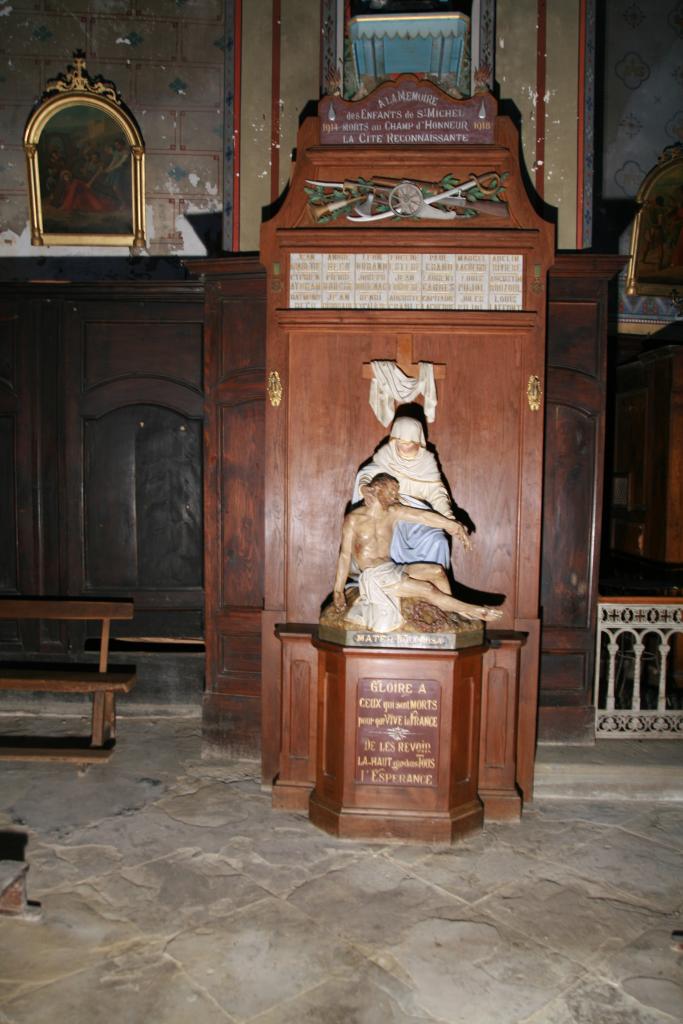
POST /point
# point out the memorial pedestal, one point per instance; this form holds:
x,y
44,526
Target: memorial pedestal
x,y
398,743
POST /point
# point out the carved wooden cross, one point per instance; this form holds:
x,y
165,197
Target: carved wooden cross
x,y
404,360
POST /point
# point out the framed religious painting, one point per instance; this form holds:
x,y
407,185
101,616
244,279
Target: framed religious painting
x,y
86,170
656,266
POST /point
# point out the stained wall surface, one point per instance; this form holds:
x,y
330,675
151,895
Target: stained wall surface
x,y
555,168
166,58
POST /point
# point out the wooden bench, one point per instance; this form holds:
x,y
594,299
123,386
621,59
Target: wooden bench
x,y
103,684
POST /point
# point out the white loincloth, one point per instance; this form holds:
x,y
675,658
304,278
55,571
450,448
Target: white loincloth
x,y
378,606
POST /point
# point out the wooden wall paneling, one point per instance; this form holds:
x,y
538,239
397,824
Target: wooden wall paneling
x,y
573,486
329,439
18,512
27,439
234,452
15,436
133,404
46,328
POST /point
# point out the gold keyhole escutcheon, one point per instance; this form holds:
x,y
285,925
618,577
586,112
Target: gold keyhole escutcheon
x,y
534,392
274,388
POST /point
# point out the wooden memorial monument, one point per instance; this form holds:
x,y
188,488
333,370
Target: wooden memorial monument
x,y
406,235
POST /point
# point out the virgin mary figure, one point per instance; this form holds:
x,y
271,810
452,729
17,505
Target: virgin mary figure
x,y
405,456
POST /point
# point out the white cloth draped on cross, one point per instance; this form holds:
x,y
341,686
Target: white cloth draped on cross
x,y
390,387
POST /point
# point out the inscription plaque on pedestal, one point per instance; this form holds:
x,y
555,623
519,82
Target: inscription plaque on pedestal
x,y
397,732
397,749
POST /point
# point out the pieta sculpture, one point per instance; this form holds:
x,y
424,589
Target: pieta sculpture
x,y
391,587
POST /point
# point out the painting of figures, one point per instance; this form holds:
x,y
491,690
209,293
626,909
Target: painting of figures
x,y
85,170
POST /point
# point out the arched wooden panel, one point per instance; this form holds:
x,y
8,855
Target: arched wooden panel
x,y
142,500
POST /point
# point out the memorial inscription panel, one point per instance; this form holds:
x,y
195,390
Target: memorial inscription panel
x,y
407,115
397,732
405,280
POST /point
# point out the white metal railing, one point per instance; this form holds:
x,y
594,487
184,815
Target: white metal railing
x,y
635,687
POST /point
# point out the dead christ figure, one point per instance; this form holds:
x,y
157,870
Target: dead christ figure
x,y
366,535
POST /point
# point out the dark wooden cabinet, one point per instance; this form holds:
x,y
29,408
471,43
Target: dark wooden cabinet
x,y
573,485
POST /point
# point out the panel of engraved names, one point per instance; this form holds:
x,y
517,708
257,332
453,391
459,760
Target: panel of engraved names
x,y
397,732
338,280
306,279
371,276
405,280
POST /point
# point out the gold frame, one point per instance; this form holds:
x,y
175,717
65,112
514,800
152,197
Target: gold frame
x,y
659,217
71,90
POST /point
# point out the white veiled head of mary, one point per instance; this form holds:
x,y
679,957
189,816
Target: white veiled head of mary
x,y
405,454
414,467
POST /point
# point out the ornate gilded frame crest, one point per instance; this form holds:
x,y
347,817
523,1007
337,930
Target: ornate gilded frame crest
x,y
86,164
656,266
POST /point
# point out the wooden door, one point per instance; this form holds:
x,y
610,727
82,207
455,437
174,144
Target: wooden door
x,y
572,499
233,498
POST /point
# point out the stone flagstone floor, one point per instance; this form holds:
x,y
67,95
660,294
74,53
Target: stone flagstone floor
x,y
171,893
